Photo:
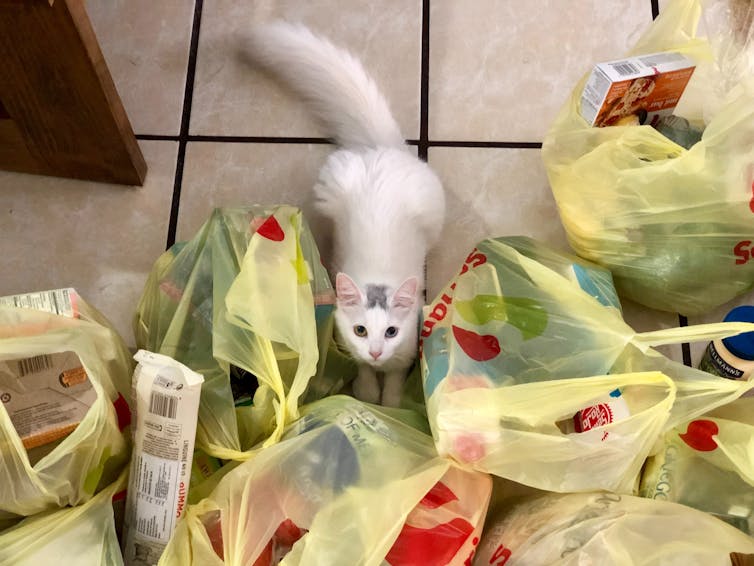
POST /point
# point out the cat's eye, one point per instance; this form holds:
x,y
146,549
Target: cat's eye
x,y
391,332
360,330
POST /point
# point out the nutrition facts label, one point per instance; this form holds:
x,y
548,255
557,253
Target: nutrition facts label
x,y
156,491
57,301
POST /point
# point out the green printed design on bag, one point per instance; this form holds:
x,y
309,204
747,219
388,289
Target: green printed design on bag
x,y
525,314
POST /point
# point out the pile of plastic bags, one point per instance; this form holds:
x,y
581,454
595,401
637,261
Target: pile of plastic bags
x,y
537,428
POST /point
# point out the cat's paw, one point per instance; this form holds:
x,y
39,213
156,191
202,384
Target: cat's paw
x,y
392,390
367,389
391,398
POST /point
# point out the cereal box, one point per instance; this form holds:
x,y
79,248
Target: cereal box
x,y
637,90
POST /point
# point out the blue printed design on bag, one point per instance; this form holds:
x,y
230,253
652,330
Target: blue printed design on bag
x,y
597,285
435,353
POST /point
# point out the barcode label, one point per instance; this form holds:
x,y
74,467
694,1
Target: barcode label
x,y
624,68
163,405
58,301
34,365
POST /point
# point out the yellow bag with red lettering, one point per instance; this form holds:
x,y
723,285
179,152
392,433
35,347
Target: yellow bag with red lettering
x,y
349,483
531,374
708,464
607,528
674,225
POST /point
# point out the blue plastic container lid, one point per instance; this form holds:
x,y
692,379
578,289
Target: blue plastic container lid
x,y
741,346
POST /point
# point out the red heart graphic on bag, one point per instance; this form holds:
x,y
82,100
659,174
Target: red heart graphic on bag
x,y
477,346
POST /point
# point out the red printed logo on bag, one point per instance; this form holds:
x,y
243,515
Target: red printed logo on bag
x,y
502,554
699,435
592,417
271,230
439,544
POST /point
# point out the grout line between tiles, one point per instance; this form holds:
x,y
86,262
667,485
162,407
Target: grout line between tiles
x,y
323,141
655,8
494,144
685,347
183,136
424,85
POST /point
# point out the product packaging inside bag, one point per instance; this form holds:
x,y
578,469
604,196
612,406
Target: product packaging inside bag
x,y
166,398
64,381
531,374
606,528
347,484
708,464
674,225
245,302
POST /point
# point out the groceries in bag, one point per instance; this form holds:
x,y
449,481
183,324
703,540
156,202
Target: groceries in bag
x,y
166,396
245,302
64,382
708,464
673,224
347,484
525,340
607,528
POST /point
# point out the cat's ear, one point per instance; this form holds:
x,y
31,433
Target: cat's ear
x,y
347,291
405,295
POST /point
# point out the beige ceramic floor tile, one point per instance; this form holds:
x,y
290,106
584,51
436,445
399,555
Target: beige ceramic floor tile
x,y
231,98
229,174
146,47
100,239
501,70
490,193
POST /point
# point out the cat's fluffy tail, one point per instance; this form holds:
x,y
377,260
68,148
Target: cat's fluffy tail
x,y
330,80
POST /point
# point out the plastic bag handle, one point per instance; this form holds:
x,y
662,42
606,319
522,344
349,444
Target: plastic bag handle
x,y
694,333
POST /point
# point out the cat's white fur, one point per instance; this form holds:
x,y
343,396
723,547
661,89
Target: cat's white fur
x,y
386,205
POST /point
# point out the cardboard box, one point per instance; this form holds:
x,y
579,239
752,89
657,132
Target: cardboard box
x,y
46,396
636,90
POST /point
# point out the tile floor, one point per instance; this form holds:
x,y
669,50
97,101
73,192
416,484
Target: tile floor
x,y
474,86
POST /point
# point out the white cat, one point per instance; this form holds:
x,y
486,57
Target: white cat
x,y
386,205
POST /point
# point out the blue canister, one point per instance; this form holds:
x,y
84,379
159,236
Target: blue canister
x,y
732,357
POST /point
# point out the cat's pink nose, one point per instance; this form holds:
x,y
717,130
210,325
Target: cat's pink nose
x,y
375,355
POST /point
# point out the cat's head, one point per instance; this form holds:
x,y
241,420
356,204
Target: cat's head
x,y
378,325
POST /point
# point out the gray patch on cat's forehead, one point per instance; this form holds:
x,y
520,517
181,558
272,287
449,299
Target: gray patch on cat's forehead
x,y
377,296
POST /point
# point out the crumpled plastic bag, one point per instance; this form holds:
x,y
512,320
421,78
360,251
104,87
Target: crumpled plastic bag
x,y
347,485
606,528
246,300
97,449
708,464
84,535
674,225
523,341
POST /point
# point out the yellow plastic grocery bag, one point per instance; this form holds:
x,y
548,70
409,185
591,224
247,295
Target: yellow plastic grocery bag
x,y
64,380
531,374
84,535
347,485
607,528
674,225
246,300
708,464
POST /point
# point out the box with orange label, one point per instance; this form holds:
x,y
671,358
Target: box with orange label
x,y
46,396
636,90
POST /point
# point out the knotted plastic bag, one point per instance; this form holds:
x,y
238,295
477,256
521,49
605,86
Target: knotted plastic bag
x,y
67,440
531,374
607,528
347,485
246,300
674,225
84,535
708,464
